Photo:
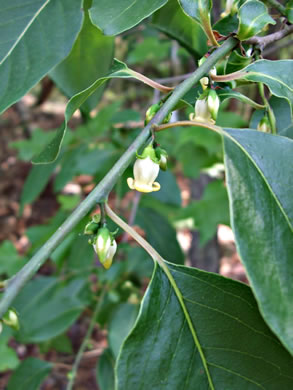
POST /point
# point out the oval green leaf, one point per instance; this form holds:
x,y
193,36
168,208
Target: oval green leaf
x,y
31,45
113,17
219,341
89,59
253,17
260,182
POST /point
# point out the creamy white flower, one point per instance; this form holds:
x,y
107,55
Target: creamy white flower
x,y
145,171
202,112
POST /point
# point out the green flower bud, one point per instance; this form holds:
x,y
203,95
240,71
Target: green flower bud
x,y
213,103
163,158
264,125
151,112
11,319
105,246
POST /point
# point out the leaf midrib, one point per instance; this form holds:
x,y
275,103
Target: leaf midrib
x,y
24,31
262,175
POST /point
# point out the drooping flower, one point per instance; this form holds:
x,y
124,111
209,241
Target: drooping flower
x,y
145,171
206,107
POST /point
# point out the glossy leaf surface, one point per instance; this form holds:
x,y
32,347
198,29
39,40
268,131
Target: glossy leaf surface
x,y
260,181
158,232
253,17
31,45
275,74
234,348
51,151
89,59
195,8
114,17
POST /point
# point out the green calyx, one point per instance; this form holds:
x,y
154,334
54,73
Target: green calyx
x,y
151,112
149,151
162,155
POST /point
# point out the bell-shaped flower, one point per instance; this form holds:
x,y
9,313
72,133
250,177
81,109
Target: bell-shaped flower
x,y
145,171
202,112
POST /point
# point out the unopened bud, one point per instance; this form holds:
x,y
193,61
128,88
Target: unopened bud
x,y
264,125
151,112
213,103
105,246
163,158
11,319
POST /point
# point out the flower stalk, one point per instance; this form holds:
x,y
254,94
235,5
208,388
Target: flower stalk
x,y
101,191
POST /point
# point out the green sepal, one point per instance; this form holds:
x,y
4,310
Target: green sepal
x,y
148,151
91,228
162,155
151,112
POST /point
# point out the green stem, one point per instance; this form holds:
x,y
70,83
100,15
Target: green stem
x,y
85,341
158,258
270,112
102,190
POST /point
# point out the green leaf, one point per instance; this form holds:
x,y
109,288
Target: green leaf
x,y
196,8
114,17
260,179
47,307
50,153
105,371
219,341
8,357
171,20
227,25
253,17
90,58
169,192
289,10
27,148
288,132
34,37
120,324
158,232
35,183
228,93
275,74
10,261
236,61
150,49
29,375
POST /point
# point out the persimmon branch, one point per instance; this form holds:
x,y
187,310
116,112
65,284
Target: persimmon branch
x,y
101,191
262,42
